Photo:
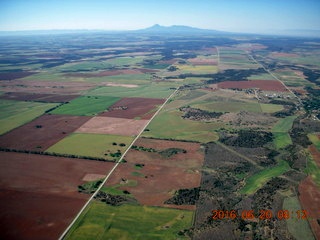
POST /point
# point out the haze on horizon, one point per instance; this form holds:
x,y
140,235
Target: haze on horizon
x,y
250,16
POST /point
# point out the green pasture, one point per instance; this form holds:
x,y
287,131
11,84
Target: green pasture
x,y
156,66
315,140
152,90
84,66
299,228
86,105
284,124
114,189
102,221
313,170
16,113
281,139
125,61
91,145
188,68
263,76
270,108
170,125
256,181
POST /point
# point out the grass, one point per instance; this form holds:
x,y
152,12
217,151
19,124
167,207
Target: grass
x,y
228,106
152,90
263,76
281,140
256,181
91,145
313,170
315,140
123,61
284,124
16,113
114,189
84,66
102,221
86,105
270,108
170,125
298,228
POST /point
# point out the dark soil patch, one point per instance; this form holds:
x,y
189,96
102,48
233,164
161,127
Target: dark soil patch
x,y
143,108
14,75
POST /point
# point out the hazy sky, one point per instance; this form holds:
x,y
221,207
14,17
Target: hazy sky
x,y
228,15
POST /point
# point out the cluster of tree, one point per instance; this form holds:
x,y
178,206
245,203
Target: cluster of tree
x,y
89,187
184,197
165,153
114,200
198,114
247,138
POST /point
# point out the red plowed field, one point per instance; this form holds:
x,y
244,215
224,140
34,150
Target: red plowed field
x,y
38,97
143,108
38,194
42,132
315,154
310,201
267,85
160,176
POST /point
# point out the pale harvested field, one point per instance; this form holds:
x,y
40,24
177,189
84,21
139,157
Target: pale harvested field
x,y
114,126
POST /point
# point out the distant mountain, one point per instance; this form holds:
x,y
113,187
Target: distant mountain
x,y
178,29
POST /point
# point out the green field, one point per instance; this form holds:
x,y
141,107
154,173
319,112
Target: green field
x,y
256,181
123,61
297,227
284,124
313,170
91,145
188,68
315,140
263,76
270,108
16,113
170,125
152,90
281,139
86,105
102,221
84,66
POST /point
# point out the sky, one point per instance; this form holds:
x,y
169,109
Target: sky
x,y
251,16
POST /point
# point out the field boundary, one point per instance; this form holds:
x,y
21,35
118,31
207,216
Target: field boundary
x,y
113,169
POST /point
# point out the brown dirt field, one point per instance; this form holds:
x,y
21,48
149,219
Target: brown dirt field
x,y
48,87
53,129
133,107
199,61
115,126
37,97
267,85
14,75
310,201
315,154
160,176
38,194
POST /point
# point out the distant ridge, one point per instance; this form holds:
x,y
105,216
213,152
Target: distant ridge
x,y
178,29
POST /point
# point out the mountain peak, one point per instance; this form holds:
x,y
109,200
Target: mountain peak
x,y
156,28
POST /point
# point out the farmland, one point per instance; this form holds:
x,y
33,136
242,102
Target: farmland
x,y
239,131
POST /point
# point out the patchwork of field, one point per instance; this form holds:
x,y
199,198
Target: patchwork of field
x,y
230,137
42,132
